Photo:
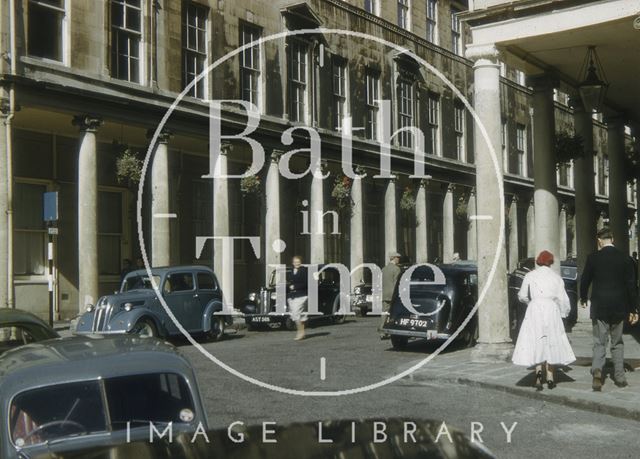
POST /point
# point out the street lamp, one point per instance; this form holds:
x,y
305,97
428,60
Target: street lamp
x,y
592,88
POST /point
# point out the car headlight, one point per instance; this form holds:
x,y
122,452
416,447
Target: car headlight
x,y
253,296
128,306
357,290
274,296
89,308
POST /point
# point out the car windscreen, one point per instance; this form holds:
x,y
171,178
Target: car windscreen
x,y
52,412
422,280
138,282
72,409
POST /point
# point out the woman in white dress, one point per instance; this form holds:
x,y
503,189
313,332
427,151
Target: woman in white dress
x,y
542,340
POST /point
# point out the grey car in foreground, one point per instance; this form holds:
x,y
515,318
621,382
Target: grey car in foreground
x,y
192,293
66,395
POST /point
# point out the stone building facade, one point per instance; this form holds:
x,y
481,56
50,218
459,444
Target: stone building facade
x,y
83,82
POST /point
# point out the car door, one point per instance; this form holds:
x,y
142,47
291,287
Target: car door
x,y
207,291
181,297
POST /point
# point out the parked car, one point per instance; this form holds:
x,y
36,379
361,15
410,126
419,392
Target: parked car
x,y
569,273
260,307
362,295
192,293
64,395
18,328
441,308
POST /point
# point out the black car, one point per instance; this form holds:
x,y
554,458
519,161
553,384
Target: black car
x,y
569,273
362,296
441,308
259,307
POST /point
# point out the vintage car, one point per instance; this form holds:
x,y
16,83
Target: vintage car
x,y
192,293
441,308
259,307
569,273
18,328
68,394
362,296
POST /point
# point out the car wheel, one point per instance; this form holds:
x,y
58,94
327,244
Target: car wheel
x,y
217,328
145,328
399,342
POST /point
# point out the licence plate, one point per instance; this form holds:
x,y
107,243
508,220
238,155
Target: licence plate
x,y
261,319
410,322
368,298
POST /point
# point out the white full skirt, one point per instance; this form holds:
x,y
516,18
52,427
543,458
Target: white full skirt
x,y
542,337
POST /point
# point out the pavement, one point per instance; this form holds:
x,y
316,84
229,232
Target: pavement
x,y
573,389
573,382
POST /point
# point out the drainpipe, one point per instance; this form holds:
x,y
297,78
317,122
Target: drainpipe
x,y
9,158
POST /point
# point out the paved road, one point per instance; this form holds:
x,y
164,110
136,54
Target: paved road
x,y
356,357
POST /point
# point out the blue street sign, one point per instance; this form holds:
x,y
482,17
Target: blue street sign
x,y
51,206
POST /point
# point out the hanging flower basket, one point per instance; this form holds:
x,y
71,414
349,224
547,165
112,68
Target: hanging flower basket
x,y
568,147
129,167
407,201
251,185
461,209
342,192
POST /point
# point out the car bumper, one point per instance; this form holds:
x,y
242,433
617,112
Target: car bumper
x,y
413,328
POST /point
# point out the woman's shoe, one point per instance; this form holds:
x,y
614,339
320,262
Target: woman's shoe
x,y
538,384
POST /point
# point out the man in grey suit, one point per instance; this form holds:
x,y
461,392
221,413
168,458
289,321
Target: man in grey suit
x,y
390,275
610,274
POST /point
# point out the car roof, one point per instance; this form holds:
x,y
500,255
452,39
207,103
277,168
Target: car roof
x,y
161,270
86,357
11,315
462,265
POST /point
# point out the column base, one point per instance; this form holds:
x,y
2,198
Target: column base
x,y
492,352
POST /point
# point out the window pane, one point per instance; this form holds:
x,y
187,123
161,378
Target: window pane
x,y
45,32
206,282
109,261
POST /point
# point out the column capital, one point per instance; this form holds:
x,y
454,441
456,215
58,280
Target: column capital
x,y
360,170
87,122
226,148
451,187
615,120
472,192
542,82
422,183
562,207
276,155
163,137
514,199
483,54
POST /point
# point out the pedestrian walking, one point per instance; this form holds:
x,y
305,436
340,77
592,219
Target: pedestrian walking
x,y
542,340
297,294
610,274
390,275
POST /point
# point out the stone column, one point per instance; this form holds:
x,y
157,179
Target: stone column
x,y
421,220
472,229
160,223
513,234
531,230
600,221
273,255
357,227
390,219
617,183
6,183
316,209
544,168
494,342
87,211
221,223
448,225
562,232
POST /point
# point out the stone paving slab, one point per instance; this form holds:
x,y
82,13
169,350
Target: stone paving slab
x,y
573,382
